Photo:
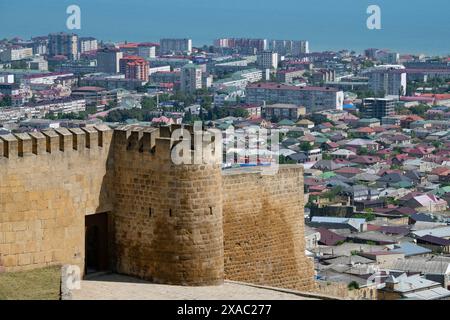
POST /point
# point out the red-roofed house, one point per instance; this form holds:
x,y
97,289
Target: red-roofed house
x,y
329,238
348,172
424,202
365,160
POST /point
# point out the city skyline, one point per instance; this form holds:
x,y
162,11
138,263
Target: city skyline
x,y
411,27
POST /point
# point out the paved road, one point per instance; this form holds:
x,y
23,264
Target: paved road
x,y
118,287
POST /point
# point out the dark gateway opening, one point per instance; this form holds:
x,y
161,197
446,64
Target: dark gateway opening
x,y
96,244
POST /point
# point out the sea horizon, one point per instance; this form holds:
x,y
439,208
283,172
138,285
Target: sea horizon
x,y
410,26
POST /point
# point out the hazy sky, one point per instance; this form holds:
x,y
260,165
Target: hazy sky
x,y
407,25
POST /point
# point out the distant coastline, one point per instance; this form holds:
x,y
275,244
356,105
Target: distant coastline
x,y
409,26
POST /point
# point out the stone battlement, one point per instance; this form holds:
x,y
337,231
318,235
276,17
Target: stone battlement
x,y
54,141
161,142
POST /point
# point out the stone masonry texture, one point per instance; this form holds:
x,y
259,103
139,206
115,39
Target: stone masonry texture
x,y
190,225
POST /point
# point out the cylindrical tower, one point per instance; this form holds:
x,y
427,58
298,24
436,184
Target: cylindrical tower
x,y
168,216
188,233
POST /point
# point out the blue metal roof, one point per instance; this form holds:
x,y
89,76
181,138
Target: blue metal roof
x,y
410,249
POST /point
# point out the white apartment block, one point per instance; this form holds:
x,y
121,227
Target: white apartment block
x,y
40,110
146,50
312,98
240,79
88,44
158,69
387,79
289,47
176,46
267,60
191,78
46,78
14,54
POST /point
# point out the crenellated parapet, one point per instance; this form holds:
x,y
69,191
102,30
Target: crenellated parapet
x,y
54,141
193,145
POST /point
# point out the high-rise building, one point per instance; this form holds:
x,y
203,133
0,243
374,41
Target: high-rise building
x,y
147,50
134,67
387,80
191,78
377,108
63,44
289,47
267,60
242,45
40,45
176,46
87,44
108,60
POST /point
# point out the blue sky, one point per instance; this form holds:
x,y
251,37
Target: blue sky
x,y
407,25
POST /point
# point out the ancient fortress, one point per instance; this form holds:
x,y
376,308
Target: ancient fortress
x,y
113,200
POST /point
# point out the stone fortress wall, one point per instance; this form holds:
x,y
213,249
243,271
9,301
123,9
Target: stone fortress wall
x,y
175,224
49,181
264,228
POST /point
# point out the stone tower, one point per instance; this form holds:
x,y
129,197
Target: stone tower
x,y
168,217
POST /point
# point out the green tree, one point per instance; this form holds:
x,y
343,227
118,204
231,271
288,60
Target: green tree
x,y
306,146
240,113
363,151
6,102
420,109
285,160
148,103
332,193
437,144
353,285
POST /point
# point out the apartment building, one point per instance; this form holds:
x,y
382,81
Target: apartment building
x,y
282,111
293,48
289,75
87,44
39,45
96,96
387,80
176,46
15,54
191,78
377,108
147,50
313,98
41,109
165,77
267,60
108,60
242,45
112,82
240,79
63,44
134,67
